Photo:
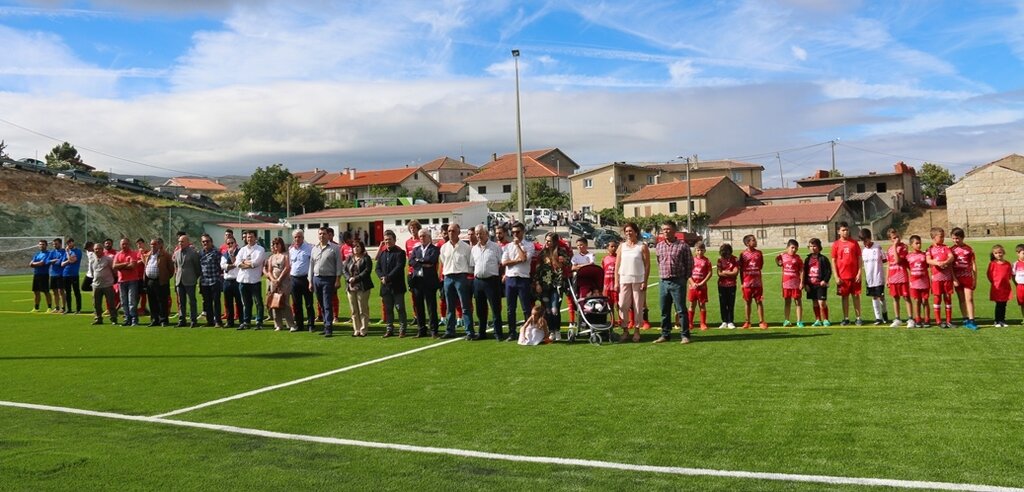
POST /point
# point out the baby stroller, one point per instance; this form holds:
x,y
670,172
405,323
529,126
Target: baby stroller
x,y
593,307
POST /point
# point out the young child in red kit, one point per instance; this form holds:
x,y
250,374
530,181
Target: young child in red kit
x,y
999,272
608,264
917,269
898,280
792,281
940,257
751,264
728,269
697,294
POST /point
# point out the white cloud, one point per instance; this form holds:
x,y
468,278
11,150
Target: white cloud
x,y
798,52
682,72
42,63
853,89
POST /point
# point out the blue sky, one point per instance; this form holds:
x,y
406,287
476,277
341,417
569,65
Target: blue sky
x,y
220,87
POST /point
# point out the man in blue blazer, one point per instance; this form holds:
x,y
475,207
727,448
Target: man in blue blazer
x,y
425,282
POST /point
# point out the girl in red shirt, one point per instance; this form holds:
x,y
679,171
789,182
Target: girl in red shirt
x,y
698,285
728,268
999,271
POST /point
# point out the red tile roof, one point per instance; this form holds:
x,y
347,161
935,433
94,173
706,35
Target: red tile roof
x,y
447,163
314,177
450,187
404,211
535,154
674,189
506,168
381,177
790,213
777,193
200,184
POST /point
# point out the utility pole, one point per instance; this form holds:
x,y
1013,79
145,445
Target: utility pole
x,y
833,157
520,182
689,197
782,180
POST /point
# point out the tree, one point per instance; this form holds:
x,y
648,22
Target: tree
x,y
835,173
422,194
259,190
935,179
540,195
306,200
3,150
63,157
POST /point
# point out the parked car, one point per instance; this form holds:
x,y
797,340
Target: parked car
x,y
582,229
530,218
604,236
545,216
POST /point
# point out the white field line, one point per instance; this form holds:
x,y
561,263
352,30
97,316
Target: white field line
x,y
465,453
305,379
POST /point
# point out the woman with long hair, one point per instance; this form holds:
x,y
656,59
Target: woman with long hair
x,y
277,270
357,269
632,269
552,281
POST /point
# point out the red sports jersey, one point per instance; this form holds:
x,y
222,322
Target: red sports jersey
x,y
813,270
792,270
410,244
918,265
896,256
727,263
751,263
608,264
999,275
846,256
963,258
701,269
940,253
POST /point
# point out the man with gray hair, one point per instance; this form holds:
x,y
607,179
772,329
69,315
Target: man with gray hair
x,y
457,265
302,296
187,271
486,256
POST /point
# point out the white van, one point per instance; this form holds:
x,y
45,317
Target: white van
x,y
529,218
545,216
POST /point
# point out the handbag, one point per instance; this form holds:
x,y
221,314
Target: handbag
x,y
87,284
273,300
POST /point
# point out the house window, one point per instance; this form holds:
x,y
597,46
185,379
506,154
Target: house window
x,y
398,222
481,190
692,207
636,211
506,188
650,179
631,177
762,234
416,176
588,183
726,235
880,187
672,206
586,209
435,221
737,177
444,220
789,231
860,188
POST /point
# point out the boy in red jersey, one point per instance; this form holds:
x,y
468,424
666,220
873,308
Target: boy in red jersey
x,y
846,256
728,269
608,264
1018,277
917,270
940,257
965,275
751,263
792,281
698,285
899,287
817,273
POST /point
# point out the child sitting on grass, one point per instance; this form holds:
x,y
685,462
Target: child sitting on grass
x,y
535,328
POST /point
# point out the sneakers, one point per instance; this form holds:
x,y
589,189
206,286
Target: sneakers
x,y
858,322
746,326
646,326
879,322
731,326
572,327
845,322
685,340
723,326
36,310
703,327
763,325
895,324
911,323
786,324
970,325
799,324
817,322
826,323
661,340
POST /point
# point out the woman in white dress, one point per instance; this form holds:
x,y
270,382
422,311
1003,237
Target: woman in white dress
x,y
535,328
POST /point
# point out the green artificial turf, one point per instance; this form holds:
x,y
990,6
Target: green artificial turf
x,y
923,404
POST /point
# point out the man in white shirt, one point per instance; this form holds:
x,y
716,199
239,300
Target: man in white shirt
x,y
302,296
874,276
326,270
249,262
456,266
487,281
516,258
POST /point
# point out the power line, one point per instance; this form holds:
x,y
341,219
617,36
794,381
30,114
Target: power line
x,y
771,154
100,152
844,144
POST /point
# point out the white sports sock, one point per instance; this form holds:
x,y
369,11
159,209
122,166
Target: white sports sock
x,y
876,304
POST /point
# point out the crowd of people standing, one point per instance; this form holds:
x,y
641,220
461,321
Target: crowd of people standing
x,y
444,279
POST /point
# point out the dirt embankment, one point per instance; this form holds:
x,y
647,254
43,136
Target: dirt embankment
x,y
38,205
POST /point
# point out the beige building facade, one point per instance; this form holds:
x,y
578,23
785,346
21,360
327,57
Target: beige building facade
x,y
712,196
604,187
988,201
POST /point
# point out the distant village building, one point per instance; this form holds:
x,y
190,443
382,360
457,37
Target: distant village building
x,y
352,185
741,173
375,220
987,201
804,194
899,189
774,225
709,195
452,192
448,170
497,179
316,177
191,185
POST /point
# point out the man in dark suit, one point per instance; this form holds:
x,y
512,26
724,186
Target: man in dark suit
x,y
425,283
186,275
391,272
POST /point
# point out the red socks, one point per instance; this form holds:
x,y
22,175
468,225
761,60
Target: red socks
x,y
703,318
690,313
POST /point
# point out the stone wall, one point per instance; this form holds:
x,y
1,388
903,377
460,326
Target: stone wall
x,y
988,202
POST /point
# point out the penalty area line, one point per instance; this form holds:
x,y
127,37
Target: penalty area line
x,y
305,379
465,453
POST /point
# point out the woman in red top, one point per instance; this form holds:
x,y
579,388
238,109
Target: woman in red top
x,y
999,271
728,268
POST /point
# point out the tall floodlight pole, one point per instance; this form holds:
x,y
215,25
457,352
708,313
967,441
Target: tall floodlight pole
x,y
520,182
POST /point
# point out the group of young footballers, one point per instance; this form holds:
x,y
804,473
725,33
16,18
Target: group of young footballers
x,y
913,277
